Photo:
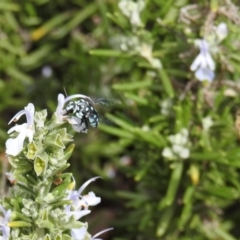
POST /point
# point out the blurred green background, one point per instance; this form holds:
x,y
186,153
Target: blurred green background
x,y
94,48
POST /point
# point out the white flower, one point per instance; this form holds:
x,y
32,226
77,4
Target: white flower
x,y
75,209
221,31
80,204
203,65
207,122
181,151
132,10
62,101
89,200
166,107
180,138
145,50
185,153
79,233
204,59
125,43
15,145
60,106
5,229
99,233
179,148
82,234
168,153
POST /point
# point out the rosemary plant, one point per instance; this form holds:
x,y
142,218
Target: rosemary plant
x,y
42,203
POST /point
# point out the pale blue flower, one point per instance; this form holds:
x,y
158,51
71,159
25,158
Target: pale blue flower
x,y
75,209
80,204
205,74
99,233
82,234
47,71
78,233
203,65
14,145
5,229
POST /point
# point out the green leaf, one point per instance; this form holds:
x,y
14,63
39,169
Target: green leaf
x,y
214,5
137,99
36,58
108,53
18,75
120,122
76,18
187,208
223,234
172,186
166,82
21,166
5,44
150,137
132,85
131,196
58,19
117,132
19,224
8,6
118,19
68,151
165,221
222,191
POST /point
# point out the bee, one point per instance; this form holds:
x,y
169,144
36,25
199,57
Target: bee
x,y
82,113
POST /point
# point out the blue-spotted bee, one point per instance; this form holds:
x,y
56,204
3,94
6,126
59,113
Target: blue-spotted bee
x,y
82,112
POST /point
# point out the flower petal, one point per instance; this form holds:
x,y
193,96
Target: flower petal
x,y
203,74
99,233
135,18
17,128
86,184
185,153
60,106
209,61
222,31
203,46
90,199
197,62
30,110
5,229
14,145
79,213
78,233
29,134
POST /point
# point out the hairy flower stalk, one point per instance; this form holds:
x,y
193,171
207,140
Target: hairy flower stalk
x,y
41,204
